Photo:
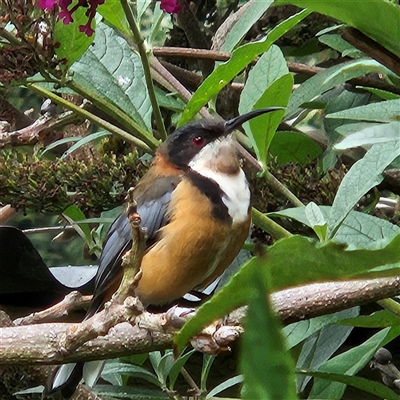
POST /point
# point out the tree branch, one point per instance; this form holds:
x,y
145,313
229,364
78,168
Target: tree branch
x,y
310,301
44,343
372,49
294,67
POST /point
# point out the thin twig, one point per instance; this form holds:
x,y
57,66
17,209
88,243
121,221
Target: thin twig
x,y
390,305
28,135
191,53
190,380
88,115
104,109
160,69
268,225
6,212
189,23
72,301
294,67
169,81
372,49
10,37
47,229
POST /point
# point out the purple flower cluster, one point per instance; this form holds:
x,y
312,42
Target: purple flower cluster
x,y
170,6
66,14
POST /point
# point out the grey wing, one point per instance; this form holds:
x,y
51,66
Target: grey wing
x,y
151,206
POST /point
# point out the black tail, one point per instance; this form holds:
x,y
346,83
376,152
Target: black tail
x,y
65,379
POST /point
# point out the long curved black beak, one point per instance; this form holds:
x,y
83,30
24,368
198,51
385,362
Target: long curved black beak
x,y
234,123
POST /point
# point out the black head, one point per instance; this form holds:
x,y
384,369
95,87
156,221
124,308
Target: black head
x,y
181,146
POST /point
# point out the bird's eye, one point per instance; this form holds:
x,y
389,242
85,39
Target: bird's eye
x,y
198,140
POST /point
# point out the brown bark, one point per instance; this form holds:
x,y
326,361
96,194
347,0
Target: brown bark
x,y
45,343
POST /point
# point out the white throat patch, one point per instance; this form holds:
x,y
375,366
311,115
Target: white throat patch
x,y
235,186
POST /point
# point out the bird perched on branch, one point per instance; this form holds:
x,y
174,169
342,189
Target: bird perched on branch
x,y
194,203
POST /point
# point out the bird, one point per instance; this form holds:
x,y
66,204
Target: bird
x,y
195,205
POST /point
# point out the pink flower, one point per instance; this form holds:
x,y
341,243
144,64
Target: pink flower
x,y
90,13
170,6
65,14
47,4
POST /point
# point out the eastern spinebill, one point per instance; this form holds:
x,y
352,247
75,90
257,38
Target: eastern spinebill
x,y
194,202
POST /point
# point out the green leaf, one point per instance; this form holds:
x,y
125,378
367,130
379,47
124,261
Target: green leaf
x,y
119,76
136,359
114,14
317,220
239,60
321,346
129,370
383,94
269,84
224,386
339,100
261,130
379,319
362,176
37,389
376,388
337,43
298,214
358,230
314,104
87,139
264,359
155,359
107,216
301,330
158,27
208,361
177,367
287,146
366,17
292,261
168,100
349,363
352,127
244,23
164,368
59,142
74,214
100,220
129,392
161,365
384,111
72,42
269,68
329,78
372,135
298,260
141,6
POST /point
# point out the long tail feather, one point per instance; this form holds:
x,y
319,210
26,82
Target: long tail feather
x,y
67,377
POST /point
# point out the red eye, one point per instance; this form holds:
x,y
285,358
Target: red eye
x,y
198,140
